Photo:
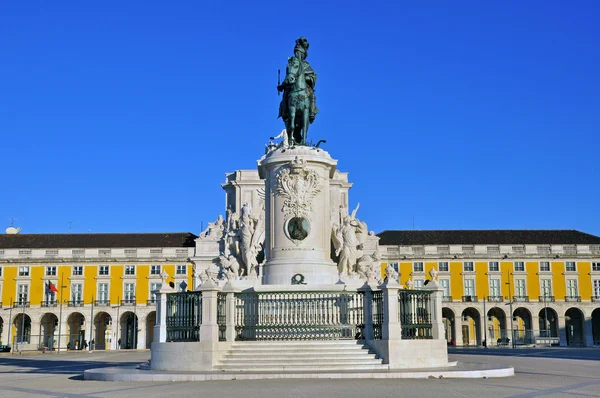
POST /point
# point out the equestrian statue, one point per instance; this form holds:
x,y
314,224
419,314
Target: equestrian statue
x,y
298,107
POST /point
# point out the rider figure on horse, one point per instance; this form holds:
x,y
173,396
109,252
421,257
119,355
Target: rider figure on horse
x,y
300,52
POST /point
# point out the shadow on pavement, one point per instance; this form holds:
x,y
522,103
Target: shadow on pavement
x,y
54,366
590,354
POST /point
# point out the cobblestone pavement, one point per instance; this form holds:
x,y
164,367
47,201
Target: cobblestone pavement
x,y
554,372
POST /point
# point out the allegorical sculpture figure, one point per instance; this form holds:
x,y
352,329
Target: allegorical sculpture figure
x,y
298,107
348,243
214,231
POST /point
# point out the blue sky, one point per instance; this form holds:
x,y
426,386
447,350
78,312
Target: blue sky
x,y
124,116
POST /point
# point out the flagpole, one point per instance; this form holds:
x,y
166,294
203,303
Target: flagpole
x,y
92,326
10,327
62,275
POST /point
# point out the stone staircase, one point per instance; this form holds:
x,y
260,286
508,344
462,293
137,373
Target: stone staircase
x,y
299,356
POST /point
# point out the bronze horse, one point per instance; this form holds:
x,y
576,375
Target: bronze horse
x,y
295,106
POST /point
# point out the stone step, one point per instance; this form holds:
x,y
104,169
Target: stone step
x,y
297,349
300,342
301,361
314,367
275,356
252,347
303,355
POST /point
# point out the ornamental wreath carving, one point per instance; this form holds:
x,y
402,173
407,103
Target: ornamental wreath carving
x,y
297,185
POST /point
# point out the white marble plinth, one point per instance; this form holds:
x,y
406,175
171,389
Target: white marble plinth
x,y
297,189
280,272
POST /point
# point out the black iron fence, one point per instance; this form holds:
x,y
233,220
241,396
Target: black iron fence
x,y
415,314
184,316
222,315
299,315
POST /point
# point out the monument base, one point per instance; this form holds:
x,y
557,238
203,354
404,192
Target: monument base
x,y
411,354
283,272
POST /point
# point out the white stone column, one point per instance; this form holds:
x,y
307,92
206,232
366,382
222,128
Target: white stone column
x,y
64,328
436,309
230,312
535,327
141,336
160,329
6,330
209,329
458,337
35,339
368,333
562,330
391,328
588,337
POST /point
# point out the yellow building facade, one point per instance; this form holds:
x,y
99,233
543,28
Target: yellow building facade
x,y
62,291
69,291
506,287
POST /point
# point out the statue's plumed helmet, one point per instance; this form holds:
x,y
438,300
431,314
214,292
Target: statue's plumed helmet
x,y
301,45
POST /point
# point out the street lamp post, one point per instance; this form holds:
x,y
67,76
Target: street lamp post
x,y
510,302
546,323
10,323
118,323
22,318
135,334
484,325
92,325
62,286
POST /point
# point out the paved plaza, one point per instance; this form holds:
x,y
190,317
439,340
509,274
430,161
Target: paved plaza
x,y
555,372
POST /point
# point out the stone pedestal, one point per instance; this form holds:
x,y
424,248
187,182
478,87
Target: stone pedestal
x,y
437,321
160,328
297,216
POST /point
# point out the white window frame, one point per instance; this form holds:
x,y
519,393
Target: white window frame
x,y
77,270
181,267
544,288
520,291
77,299
22,290
574,263
466,283
100,292
24,270
549,266
447,266
104,270
495,291
418,283
493,264
445,284
596,288
51,270
570,286
128,268
154,286
129,294
472,266
521,265
153,269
